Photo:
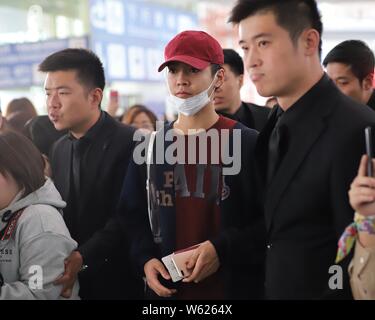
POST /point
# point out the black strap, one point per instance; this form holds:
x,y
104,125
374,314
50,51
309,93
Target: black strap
x,y
8,230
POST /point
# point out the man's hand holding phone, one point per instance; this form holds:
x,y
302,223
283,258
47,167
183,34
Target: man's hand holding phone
x,y
177,263
203,262
192,264
152,269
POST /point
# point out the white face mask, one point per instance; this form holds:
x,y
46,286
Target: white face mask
x,y
191,106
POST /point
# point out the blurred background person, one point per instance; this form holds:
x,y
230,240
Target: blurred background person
x,y
19,112
113,104
140,117
227,98
43,134
351,66
2,121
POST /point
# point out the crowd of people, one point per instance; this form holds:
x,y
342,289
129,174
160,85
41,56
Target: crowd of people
x,y
264,200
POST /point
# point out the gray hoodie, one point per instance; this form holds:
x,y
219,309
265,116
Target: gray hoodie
x,y
33,257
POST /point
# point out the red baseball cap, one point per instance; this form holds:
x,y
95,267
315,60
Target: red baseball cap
x,y
195,48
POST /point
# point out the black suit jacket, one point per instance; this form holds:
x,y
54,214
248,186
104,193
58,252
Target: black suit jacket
x,y
306,205
102,172
257,116
251,115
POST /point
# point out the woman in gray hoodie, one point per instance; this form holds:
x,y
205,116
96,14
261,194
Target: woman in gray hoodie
x,y
34,240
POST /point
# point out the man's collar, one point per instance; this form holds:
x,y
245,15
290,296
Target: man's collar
x,y
93,131
298,108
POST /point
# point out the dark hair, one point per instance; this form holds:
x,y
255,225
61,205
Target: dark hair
x,y
89,68
130,114
4,123
19,112
23,105
234,61
354,53
22,160
292,15
41,131
215,68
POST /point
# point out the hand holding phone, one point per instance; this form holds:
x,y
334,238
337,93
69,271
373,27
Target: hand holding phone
x,y
369,151
176,263
181,258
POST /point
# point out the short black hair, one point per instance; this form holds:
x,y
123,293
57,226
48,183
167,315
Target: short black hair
x,y
89,68
292,15
234,61
354,53
215,68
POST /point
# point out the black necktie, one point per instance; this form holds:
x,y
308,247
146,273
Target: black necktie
x,y
274,147
76,166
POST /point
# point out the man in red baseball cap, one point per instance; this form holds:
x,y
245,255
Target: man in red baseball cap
x,y
193,202
193,52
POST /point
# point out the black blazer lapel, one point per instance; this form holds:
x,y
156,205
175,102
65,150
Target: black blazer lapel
x,y
308,131
63,162
93,162
261,150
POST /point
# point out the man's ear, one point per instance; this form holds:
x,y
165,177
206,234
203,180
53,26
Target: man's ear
x,y
310,40
96,96
219,78
368,82
240,80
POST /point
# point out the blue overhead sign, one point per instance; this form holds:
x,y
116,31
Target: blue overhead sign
x,y
19,62
130,36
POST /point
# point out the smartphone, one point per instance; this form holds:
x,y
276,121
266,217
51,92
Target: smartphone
x,y
369,151
180,259
171,267
176,263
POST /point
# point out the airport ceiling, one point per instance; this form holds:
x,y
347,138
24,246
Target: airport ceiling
x,y
70,6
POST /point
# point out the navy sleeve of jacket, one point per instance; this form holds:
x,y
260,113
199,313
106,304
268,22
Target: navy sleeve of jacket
x,y
133,215
243,240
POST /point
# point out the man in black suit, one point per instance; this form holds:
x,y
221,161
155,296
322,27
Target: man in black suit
x,y
309,150
351,66
227,99
88,167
